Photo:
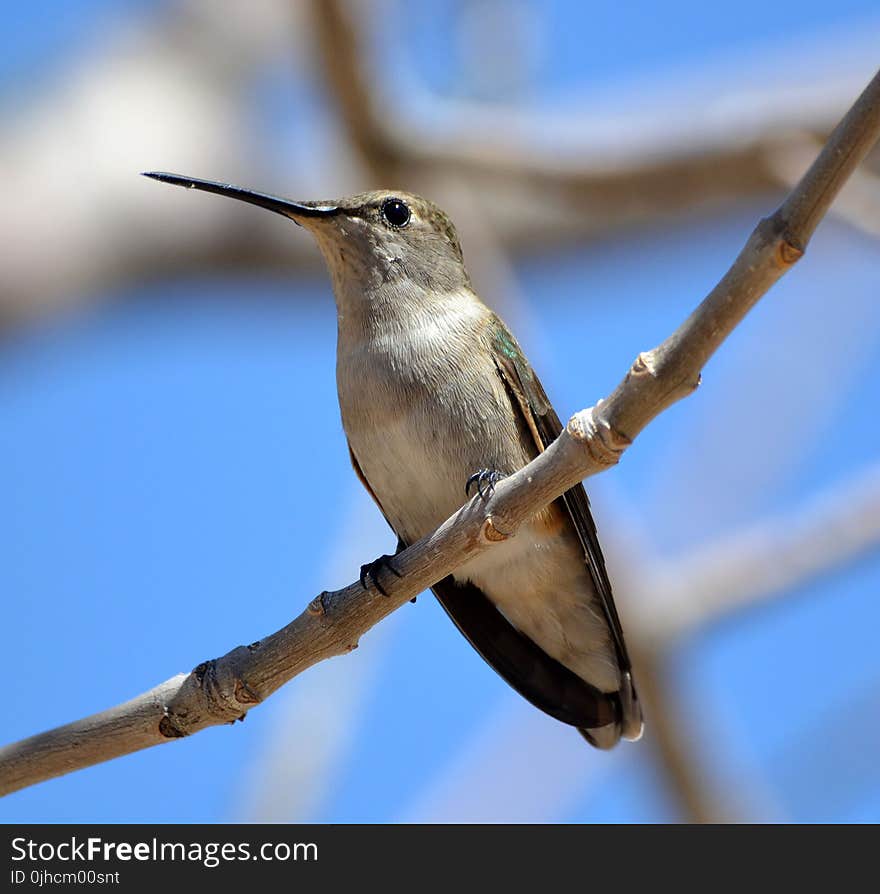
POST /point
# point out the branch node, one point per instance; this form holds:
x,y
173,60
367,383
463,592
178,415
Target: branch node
x,y
169,729
221,686
199,671
788,252
602,442
491,533
245,695
317,606
643,365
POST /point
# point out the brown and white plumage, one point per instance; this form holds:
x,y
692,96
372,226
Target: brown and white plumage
x,y
433,387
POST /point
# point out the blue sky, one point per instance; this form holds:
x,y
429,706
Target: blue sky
x,y
176,482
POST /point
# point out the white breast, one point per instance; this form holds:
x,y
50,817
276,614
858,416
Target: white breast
x,y
410,398
423,408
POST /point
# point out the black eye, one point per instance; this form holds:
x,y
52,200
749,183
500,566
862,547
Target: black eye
x,y
395,212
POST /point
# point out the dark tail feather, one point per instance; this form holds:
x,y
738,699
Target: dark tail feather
x,y
630,725
602,718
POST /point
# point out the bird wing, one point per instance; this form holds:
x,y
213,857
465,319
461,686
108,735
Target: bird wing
x,y
537,676
530,400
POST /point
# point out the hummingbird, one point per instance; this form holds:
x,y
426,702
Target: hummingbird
x,y
438,404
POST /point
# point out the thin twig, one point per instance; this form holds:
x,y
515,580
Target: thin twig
x,y
859,201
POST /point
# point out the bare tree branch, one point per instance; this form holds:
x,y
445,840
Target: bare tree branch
x,y
859,201
224,689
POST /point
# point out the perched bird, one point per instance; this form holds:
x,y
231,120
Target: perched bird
x,y
438,401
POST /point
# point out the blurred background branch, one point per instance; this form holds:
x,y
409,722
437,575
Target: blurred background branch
x,y
767,561
177,94
711,160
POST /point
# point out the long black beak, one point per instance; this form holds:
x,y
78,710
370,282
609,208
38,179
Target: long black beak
x,y
291,210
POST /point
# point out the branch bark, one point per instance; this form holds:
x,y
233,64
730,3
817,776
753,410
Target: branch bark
x,y
224,689
858,203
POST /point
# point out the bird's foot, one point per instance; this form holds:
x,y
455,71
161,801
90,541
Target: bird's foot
x,y
371,570
485,480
